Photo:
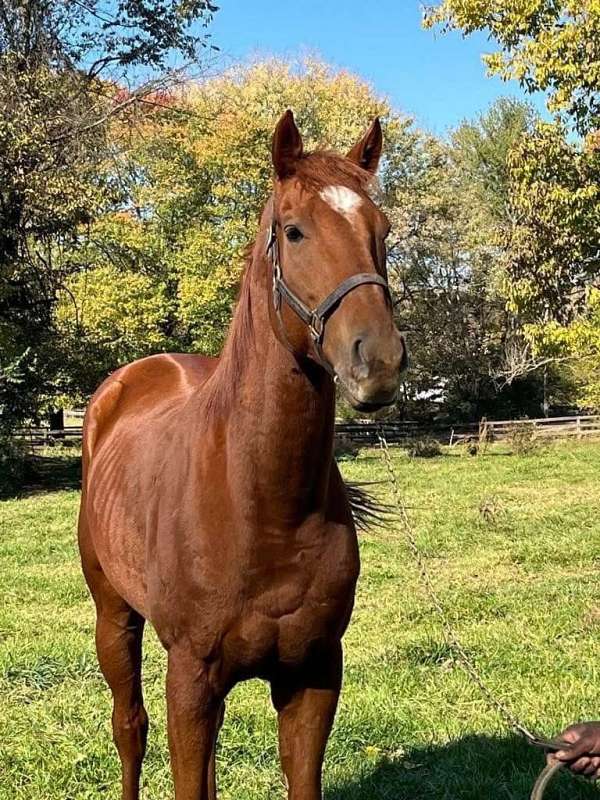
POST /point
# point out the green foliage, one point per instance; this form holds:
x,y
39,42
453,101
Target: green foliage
x,y
521,438
49,187
94,36
55,178
450,228
548,45
122,314
425,447
554,247
578,342
481,151
551,254
12,466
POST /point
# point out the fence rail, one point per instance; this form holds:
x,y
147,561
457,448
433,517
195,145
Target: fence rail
x,y
366,432
544,428
396,432
36,438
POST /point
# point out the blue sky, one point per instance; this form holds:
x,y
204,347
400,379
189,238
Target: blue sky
x,y
440,80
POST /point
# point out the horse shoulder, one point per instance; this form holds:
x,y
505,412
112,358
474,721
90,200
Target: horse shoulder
x,y
148,384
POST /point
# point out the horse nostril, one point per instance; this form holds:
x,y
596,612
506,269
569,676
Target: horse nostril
x,y
357,356
360,366
404,354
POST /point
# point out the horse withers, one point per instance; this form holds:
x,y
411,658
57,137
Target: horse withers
x,y
212,505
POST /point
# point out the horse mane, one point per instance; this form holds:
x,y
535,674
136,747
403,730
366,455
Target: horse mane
x,y
240,337
315,171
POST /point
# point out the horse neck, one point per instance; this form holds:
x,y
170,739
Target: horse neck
x,y
282,411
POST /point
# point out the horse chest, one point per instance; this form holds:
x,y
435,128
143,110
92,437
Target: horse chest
x,y
259,597
258,639
295,606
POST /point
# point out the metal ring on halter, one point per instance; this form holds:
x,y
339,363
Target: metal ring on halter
x,y
316,328
314,318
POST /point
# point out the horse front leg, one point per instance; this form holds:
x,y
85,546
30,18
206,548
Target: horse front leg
x,y
306,701
212,764
194,715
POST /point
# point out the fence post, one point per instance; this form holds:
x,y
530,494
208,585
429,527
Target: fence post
x,y
482,437
579,427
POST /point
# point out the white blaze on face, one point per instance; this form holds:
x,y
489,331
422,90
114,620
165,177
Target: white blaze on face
x,y
343,200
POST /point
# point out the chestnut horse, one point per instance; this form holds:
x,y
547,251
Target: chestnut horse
x,y
211,503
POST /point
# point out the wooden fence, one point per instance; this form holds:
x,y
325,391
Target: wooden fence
x,y
396,432
543,428
365,432
38,438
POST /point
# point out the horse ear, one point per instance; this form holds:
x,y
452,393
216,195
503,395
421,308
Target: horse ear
x,y
367,152
286,147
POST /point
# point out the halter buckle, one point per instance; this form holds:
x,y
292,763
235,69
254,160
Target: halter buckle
x,y
271,238
272,252
276,279
316,327
276,294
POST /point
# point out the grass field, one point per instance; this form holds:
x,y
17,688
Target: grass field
x,y
513,545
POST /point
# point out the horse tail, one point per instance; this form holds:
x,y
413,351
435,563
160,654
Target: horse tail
x,y
367,509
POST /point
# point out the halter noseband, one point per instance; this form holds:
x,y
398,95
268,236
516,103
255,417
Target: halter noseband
x,y
316,318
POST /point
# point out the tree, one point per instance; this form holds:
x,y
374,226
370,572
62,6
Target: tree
x,y
577,344
481,151
553,249
551,46
551,255
48,189
58,61
451,225
90,38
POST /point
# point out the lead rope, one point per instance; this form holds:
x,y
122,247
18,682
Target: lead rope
x,y
452,640
544,779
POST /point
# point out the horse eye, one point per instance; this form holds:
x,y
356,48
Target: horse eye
x,y
293,233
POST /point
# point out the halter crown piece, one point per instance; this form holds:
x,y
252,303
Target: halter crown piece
x,y
316,318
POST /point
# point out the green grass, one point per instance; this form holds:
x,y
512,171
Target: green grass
x,y
513,546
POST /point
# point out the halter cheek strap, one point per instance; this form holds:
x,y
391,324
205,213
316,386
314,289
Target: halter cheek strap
x,y
315,318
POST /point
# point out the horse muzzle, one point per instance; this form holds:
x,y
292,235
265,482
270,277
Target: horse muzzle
x,y
371,376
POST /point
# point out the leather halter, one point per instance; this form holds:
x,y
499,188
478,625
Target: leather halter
x,y
314,318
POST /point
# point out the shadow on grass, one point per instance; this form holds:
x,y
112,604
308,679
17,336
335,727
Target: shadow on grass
x,y
472,768
51,473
